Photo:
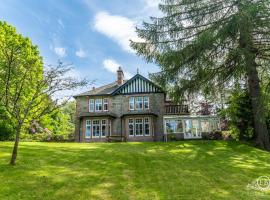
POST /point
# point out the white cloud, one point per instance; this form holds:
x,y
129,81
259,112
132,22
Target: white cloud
x,y
81,53
112,66
60,51
118,28
152,3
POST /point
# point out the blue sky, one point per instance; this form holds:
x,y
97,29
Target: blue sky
x,y
91,34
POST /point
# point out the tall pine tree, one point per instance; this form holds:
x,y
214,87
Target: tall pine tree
x,y
206,44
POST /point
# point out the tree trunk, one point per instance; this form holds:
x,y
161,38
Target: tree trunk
x,y
16,144
260,127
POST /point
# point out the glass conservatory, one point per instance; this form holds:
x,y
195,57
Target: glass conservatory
x,y
190,127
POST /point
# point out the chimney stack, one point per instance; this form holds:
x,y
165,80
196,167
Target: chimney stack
x,y
120,76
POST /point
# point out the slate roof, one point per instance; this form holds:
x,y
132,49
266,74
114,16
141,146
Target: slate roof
x,y
103,90
114,88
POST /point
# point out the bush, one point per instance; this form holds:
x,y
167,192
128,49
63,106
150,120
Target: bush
x,y
7,132
214,135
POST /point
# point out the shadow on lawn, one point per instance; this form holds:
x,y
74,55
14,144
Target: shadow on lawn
x,y
176,170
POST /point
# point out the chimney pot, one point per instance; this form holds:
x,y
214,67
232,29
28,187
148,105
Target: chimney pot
x,y
120,76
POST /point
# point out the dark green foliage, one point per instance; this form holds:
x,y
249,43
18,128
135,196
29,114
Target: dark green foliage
x,y
239,113
206,46
56,126
197,43
7,132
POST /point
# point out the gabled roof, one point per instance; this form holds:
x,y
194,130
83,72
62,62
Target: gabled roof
x,y
137,84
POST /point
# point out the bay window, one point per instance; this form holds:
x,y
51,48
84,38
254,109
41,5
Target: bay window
x,y
139,127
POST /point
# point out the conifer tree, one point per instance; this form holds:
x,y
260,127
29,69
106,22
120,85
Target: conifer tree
x,y
206,44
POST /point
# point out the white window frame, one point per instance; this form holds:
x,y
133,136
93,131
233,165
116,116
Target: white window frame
x,y
131,102
98,104
144,101
88,124
136,123
98,125
105,102
92,104
137,102
103,125
149,127
131,123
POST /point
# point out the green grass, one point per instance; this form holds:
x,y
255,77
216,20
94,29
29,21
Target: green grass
x,y
189,170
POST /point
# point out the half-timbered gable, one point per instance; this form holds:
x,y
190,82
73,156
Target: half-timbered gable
x,y
138,84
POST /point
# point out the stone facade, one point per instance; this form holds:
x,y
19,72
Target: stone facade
x,y
118,115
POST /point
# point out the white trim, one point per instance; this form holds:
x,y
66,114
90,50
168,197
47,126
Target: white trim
x,y
132,103
88,125
105,104
89,108
133,127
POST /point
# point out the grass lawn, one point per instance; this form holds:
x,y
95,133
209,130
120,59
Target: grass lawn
x,y
189,170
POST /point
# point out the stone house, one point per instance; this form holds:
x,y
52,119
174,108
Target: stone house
x,y
131,110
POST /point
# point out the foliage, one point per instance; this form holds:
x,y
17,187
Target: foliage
x,y
29,91
190,170
60,123
205,46
239,114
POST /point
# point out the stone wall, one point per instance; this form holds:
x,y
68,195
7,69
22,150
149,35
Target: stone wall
x,y
119,106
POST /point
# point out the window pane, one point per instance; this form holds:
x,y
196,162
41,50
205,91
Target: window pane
x,y
205,126
139,103
91,105
146,102
131,127
105,105
146,126
169,127
174,126
96,128
188,126
103,128
98,104
139,127
131,103
88,129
